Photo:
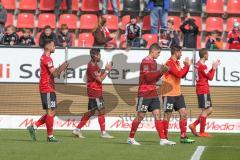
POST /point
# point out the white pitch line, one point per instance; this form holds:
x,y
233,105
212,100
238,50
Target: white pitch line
x,y
198,152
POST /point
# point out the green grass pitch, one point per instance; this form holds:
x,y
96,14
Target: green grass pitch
x,y
17,145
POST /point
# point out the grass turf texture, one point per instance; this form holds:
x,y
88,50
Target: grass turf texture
x,y
17,145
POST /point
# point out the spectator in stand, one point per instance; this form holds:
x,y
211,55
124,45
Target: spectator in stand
x,y
214,41
159,11
3,19
133,30
26,39
114,6
64,37
10,37
169,37
101,33
190,31
58,5
47,35
234,37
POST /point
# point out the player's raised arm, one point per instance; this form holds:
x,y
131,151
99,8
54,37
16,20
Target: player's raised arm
x,y
57,71
156,75
182,72
103,75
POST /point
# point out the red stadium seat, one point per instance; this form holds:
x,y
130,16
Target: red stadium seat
x,y
9,19
199,42
233,6
177,22
74,5
85,40
230,22
37,38
110,5
69,19
125,21
28,4
9,4
88,21
73,40
90,5
215,6
198,22
146,23
112,21
123,41
46,19
25,20
47,5
214,23
150,38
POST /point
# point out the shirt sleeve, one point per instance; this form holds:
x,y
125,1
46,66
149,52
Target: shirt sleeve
x,y
150,76
48,62
209,75
174,70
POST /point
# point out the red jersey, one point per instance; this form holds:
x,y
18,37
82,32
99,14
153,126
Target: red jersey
x,y
202,77
148,78
172,79
235,44
94,87
46,78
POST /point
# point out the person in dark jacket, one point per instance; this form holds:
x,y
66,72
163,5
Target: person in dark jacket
x,y
26,39
190,31
3,19
169,37
47,35
64,37
133,30
101,33
10,37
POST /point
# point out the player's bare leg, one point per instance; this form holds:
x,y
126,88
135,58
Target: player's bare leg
x,y
135,124
205,113
77,131
101,121
183,126
49,124
160,128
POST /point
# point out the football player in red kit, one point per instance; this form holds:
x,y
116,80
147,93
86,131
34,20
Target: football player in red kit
x,y
203,93
95,76
47,91
148,99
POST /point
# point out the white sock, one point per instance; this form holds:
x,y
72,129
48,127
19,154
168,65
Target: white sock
x,y
50,136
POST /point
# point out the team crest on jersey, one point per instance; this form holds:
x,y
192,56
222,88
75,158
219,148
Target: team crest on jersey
x,y
145,68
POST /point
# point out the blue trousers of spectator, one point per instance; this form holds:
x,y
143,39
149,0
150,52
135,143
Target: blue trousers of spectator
x,y
114,6
158,13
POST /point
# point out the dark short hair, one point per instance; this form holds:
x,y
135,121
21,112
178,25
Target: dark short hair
x,y
48,41
154,46
47,27
202,52
94,51
175,48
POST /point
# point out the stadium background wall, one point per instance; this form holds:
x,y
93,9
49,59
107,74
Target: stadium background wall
x,y
19,93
